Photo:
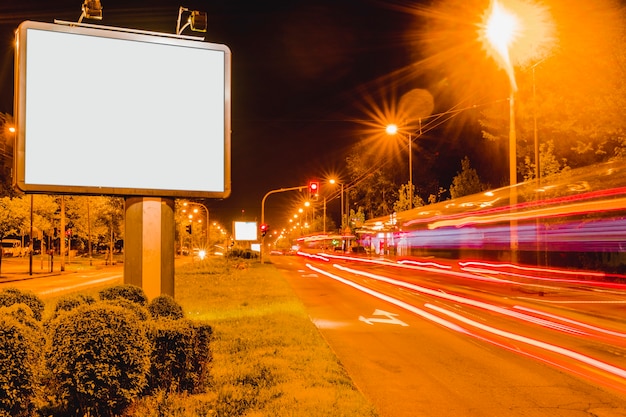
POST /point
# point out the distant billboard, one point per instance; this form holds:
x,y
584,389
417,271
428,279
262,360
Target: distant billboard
x,y
105,111
245,231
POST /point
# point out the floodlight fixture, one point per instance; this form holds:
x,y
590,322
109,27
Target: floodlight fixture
x,y
92,9
196,20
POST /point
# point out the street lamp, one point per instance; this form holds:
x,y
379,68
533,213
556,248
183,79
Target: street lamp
x,y
208,225
392,130
334,181
501,28
516,37
530,30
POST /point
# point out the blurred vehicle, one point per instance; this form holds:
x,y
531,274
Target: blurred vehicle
x,y
12,247
575,219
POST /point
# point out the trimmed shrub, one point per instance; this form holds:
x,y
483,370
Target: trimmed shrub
x,y
127,291
20,361
181,356
138,310
98,356
22,313
164,306
70,302
10,296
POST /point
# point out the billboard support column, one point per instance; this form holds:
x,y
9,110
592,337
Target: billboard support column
x,y
149,245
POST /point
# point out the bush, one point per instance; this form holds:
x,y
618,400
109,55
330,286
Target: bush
x,y
127,292
20,361
181,356
242,253
164,306
10,296
99,357
70,302
140,312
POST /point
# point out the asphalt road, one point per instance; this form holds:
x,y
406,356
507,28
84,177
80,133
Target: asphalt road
x,y
431,341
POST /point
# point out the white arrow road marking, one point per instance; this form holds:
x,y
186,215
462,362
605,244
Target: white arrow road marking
x,y
390,318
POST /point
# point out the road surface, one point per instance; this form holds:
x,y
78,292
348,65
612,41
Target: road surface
x,y
432,339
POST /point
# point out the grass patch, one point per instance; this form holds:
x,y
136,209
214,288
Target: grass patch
x,y
268,358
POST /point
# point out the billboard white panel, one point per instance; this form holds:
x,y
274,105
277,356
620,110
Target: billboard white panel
x,y
100,111
245,231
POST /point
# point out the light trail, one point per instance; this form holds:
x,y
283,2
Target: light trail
x,y
391,300
533,342
578,357
495,268
466,301
574,322
481,271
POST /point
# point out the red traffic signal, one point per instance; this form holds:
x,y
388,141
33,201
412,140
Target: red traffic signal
x,y
264,228
314,188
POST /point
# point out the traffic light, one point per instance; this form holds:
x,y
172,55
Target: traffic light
x,y
264,228
314,188
188,228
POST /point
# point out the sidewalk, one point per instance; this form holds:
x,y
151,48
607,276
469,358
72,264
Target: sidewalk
x,y
17,269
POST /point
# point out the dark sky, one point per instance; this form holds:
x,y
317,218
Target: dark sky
x,y
301,73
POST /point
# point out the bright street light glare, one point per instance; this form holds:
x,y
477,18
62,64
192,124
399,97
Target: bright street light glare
x,y
515,33
501,29
391,129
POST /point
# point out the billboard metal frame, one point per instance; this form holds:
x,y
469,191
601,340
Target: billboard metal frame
x,y
128,184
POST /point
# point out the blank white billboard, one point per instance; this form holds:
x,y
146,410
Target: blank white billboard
x,y
245,231
101,111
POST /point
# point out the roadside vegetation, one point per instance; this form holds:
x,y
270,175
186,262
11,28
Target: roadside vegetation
x,y
235,342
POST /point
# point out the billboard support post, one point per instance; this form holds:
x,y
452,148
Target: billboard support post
x,y
149,245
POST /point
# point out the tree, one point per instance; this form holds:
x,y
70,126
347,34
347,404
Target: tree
x,y
44,209
435,198
402,203
317,225
107,217
548,163
373,189
356,218
11,220
466,182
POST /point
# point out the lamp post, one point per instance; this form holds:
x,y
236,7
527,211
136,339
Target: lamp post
x,y
334,181
185,204
501,28
392,129
280,190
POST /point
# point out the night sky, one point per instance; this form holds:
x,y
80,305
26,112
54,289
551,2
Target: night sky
x,y
303,75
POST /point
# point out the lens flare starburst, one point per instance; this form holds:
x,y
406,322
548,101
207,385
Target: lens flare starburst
x,y
516,32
